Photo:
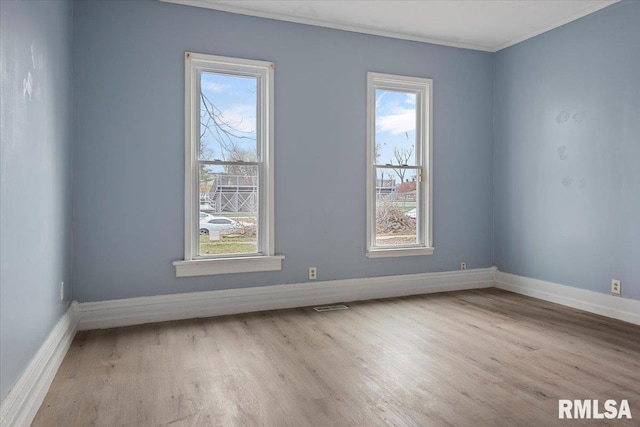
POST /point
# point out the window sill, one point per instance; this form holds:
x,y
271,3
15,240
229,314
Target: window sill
x,y
388,253
209,267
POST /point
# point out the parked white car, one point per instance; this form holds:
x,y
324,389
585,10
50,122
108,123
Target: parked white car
x,y
221,224
411,213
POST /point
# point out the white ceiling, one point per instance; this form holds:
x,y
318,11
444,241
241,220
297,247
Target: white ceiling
x,y
488,25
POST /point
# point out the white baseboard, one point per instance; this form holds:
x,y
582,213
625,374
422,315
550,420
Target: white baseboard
x,y
615,307
135,311
21,404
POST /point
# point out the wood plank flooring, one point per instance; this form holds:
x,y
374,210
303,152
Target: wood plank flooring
x,y
471,358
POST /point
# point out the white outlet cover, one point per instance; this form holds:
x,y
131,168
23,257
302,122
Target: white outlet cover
x,y
615,286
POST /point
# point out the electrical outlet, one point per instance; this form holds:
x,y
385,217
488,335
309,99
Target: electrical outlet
x,y
463,266
61,291
312,273
615,286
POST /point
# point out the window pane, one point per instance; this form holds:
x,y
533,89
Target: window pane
x,y
395,137
228,117
220,221
396,207
228,209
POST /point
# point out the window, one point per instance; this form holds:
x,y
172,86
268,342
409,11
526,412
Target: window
x,y
399,208
224,221
228,166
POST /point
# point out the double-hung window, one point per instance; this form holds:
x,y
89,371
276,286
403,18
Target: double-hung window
x,y
228,166
399,202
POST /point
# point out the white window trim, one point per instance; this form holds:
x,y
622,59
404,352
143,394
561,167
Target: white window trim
x,y
424,103
265,259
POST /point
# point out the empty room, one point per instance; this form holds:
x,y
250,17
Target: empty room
x,y
320,213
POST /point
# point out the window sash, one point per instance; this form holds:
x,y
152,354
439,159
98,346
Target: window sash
x,y
419,218
259,224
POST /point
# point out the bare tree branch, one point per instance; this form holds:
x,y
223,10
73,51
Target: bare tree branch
x,y
225,133
402,157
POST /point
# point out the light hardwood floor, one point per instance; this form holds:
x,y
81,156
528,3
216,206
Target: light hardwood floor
x,y
471,358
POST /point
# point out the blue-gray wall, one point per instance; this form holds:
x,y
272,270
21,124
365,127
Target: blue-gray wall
x,y
35,177
567,153
129,177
